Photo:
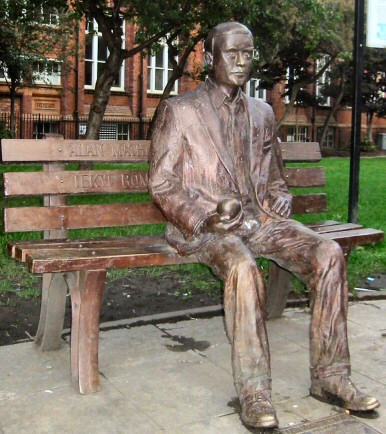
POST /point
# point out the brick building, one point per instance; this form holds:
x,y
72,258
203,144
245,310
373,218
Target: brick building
x,y
54,102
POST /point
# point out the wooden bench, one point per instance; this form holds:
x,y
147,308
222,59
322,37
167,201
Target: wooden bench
x,y
80,265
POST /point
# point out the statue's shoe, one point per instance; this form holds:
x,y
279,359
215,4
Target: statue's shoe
x,y
257,410
342,390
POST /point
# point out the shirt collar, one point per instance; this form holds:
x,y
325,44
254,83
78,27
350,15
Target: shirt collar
x,y
218,97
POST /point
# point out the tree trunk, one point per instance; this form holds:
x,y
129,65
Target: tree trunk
x,y
299,85
177,73
101,98
333,110
102,93
369,127
290,105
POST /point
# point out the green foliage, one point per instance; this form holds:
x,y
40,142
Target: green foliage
x,y
374,82
367,146
289,34
31,32
5,133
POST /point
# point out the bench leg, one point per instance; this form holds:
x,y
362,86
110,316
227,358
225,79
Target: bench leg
x,y
86,289
346,253
52,310
278,288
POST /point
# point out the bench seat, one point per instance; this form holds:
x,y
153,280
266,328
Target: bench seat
x,y
48,256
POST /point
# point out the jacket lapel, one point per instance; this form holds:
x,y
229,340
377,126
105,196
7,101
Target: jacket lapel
x,y
211,122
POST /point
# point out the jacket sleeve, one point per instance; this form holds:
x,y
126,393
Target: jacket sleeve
x,y
276,182
178,204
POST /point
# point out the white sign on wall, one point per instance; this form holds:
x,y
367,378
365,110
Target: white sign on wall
x,y
376,23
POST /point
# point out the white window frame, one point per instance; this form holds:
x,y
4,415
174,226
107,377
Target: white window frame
x,y
298,134
46,74
381,76
4,78
94,60
52,17
329,142
151,72
252,91
40,128
287,98
322,80
110,130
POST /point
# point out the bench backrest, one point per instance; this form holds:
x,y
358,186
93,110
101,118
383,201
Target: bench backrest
x,y
58,180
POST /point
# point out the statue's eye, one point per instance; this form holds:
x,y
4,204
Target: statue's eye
x,y
232,53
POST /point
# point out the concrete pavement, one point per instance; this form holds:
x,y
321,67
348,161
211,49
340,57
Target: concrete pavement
x,y
175,378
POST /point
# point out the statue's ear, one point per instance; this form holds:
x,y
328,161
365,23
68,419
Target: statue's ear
x,y
208,57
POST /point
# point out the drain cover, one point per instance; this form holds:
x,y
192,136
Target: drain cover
x,y
341,423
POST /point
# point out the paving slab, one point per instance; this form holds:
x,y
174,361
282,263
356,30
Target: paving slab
x,y
23,369
64,411
176,378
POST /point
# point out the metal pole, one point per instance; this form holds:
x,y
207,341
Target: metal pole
x,y
76,70
356,112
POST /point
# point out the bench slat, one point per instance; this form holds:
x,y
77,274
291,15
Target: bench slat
x,y
117,181
28,219
300,151
322,223
305,176
54,149
324,229
19,250
80,216
309,203
75,182
348,239
95,259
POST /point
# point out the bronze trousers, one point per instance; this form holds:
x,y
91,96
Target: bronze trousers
x,y
316,261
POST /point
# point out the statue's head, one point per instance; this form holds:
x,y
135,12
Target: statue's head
x,y
229,54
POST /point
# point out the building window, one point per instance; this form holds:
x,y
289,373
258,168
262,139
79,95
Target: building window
x,y
42,128
114,131
323,80
96,55
50,18
297,134
47,73
252,89
109,131
123,132
329,140
46,15
159,70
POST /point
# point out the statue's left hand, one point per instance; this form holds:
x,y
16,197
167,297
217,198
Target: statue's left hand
x,y
282,206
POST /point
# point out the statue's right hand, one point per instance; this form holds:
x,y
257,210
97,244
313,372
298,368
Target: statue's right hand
x,y
221,224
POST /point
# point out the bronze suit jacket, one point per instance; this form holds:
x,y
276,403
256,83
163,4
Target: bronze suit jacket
x,y
191,169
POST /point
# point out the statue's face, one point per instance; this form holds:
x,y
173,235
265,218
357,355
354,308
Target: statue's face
x,y
232,59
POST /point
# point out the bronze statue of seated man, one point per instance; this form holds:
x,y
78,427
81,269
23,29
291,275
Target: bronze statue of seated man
x,y
217,175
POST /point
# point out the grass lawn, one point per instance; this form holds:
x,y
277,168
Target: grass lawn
x,y
364,261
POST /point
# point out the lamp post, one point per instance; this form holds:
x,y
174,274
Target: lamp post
x,y
353,210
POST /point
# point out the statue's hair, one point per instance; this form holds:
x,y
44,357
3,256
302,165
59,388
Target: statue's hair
x,y
224,29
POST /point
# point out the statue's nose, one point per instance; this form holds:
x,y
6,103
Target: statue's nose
x,y
240,59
